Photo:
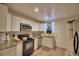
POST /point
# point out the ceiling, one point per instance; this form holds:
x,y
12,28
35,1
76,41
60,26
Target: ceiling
x,y
50,10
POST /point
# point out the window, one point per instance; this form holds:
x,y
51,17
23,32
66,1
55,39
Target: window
x,y
52,25
45,27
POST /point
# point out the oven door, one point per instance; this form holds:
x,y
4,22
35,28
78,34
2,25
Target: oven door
x,y
28,47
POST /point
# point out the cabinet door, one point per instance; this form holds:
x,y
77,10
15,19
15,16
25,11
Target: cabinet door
x,y
5,19
35,43
8,52
8,22
47,41
3,13
19,49
39,42
15,23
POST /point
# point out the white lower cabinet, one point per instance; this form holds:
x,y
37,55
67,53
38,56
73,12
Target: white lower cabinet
x,y
35,43
13,51
19,49
48,41
8,52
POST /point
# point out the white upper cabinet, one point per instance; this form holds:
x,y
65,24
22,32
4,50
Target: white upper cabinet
x,y
5,18
15,23
8,22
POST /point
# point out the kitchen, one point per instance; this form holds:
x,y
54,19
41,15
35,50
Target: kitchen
x,y
24,32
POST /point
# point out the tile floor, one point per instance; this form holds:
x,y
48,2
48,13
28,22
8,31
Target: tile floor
x,y
52,52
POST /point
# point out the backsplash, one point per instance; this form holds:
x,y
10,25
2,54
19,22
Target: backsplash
x,y
2,36
11,33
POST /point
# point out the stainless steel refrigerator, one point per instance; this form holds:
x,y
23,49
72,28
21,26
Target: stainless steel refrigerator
x,y
76,37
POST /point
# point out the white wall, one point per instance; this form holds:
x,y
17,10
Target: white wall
x,y
61,33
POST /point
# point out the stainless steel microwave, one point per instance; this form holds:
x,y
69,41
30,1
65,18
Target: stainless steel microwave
x,y
24,27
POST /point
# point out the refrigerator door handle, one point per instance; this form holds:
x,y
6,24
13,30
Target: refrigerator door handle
x,y
75,42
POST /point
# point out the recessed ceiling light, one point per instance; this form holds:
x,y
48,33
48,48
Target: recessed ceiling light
x,y
36,9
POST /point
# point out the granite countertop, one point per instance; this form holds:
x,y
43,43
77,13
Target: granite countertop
x,y
47,35
37,37
9,44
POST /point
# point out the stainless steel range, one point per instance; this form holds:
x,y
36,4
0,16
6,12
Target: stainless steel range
x,y
28,44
